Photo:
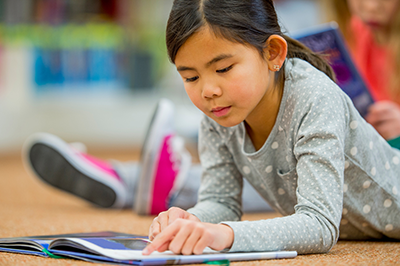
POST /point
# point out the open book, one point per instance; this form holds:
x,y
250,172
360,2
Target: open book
x,y
120,248
327,40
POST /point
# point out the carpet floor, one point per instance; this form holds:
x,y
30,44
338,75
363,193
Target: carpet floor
x,y
29,207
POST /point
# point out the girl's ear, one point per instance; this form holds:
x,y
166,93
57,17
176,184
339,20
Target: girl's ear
x,y
275,51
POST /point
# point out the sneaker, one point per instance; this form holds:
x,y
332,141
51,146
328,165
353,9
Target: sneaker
x,y
164,163
63,166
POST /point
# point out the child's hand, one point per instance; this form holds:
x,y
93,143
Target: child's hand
x,y
166,218
384,116
187,237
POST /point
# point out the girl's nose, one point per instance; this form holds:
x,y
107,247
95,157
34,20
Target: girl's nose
x,y
211,91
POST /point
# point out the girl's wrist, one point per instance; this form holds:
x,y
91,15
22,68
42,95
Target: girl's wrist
x,y
230,235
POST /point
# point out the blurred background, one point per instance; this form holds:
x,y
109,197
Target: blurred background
x,y
93,70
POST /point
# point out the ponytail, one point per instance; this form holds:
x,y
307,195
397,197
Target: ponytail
x,y
298,50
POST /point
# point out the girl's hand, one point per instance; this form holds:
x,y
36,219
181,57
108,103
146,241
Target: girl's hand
x,y
184,236
384,116
166,218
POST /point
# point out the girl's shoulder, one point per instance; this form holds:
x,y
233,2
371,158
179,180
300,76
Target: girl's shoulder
x,y
308,89
305,81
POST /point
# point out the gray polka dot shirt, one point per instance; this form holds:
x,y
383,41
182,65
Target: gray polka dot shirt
x,y
326,170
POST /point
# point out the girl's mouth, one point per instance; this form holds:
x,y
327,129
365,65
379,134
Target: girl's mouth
x,y
221,111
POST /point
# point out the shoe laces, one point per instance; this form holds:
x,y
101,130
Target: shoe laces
x,y
176,149
79,147
181,160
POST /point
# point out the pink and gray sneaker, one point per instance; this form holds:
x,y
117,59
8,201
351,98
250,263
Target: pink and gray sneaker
x,y
60,165
148,187
164,163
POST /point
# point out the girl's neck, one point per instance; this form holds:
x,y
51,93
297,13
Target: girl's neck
x,y
259,125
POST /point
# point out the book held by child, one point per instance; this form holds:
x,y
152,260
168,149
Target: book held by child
x,y
327,40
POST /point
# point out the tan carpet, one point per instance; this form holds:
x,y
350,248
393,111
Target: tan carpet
x,y
28,207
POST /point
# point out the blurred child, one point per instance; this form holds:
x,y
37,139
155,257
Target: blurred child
x,y
274,116
372,29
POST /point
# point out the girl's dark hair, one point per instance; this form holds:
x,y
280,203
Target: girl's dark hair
x,y
243,21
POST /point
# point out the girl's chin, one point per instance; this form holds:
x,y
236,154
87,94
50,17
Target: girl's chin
x,y
225,121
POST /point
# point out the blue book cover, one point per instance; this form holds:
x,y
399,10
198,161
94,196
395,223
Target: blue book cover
x,y
327,40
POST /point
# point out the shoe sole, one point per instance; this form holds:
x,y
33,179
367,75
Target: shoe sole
x,y
158,128
52,167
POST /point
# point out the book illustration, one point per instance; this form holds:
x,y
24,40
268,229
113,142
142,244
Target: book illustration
x,y
113,247
327,40
132,243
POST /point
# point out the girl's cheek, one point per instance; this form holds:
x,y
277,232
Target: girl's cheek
x,y
195,97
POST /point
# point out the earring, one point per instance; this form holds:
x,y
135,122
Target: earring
x,y
276,67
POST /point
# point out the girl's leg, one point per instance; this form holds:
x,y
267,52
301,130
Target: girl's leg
x,y
164,163
62,166
186,197
163,167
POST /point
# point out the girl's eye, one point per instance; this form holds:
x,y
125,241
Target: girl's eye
x,y
192,79
225,69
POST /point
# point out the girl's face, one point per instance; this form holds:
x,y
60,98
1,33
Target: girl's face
x,y
377,14
227,81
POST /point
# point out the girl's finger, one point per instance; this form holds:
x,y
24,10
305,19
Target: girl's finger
x,y
191,242
163,247
201,244
175,213
180,238
163,219
162,238
155,229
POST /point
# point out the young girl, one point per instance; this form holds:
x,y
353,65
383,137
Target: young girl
x,y
274,117
372,31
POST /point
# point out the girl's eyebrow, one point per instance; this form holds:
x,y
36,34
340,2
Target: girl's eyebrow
x,y
208,64
218,58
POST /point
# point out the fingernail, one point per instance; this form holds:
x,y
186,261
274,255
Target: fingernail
x,y
145,251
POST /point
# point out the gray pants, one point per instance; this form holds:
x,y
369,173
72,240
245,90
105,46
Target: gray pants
x,y
187,196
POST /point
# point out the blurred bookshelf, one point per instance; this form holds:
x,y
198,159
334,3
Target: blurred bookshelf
x,y
85,70
93,70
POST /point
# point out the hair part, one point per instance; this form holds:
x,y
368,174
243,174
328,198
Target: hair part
x,y
249,22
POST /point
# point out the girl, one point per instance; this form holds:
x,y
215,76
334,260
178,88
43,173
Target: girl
x,y
274,117
372,31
